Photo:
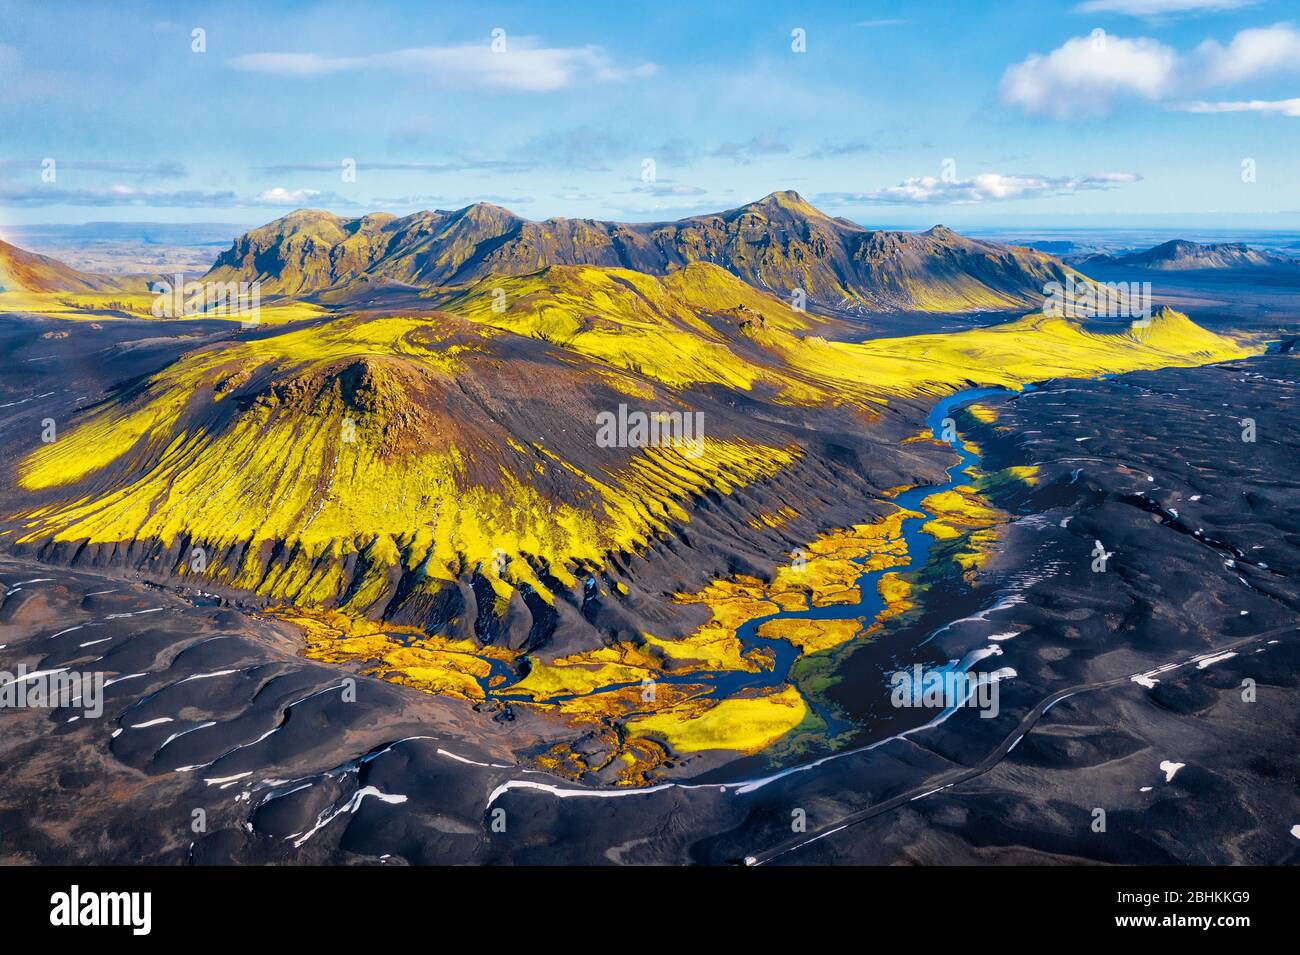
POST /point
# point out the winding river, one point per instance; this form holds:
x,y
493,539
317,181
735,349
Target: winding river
x,y
725,683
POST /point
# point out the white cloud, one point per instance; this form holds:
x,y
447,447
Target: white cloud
x,y
988,187
1159,8
281,196
1086,75
1282,107
523,65
1250,53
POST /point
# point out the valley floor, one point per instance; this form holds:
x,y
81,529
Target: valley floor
x,y
1161,690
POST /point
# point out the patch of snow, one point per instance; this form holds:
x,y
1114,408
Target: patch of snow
x,y
1202,663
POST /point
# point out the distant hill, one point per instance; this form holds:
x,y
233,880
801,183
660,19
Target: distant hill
x,y
23,271
1182,254
778,244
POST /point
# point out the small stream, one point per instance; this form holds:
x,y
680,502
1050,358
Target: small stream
x,y
725,683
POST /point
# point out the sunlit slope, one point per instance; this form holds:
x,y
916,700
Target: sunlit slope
x,y
310,249
703,325
680,330
780,243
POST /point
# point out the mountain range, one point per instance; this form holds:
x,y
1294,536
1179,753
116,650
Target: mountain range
x,y
779,244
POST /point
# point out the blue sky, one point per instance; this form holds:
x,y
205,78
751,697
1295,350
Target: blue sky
x,y
1090,112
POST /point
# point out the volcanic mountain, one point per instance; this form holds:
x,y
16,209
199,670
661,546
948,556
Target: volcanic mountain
x,y
779,244
1183,255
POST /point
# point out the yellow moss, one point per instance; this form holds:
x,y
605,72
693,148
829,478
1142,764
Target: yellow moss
x,y
964,513
549,680
828,572
746,724
613,706
627,319
713,646
1028,475
401,654
811,636
1008,355
896,593
824,574
893,589
774,519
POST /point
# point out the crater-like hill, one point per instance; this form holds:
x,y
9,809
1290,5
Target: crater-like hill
x,y
778,244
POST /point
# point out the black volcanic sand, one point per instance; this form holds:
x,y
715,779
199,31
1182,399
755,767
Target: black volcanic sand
x,y
195,697
292,772
1187,577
